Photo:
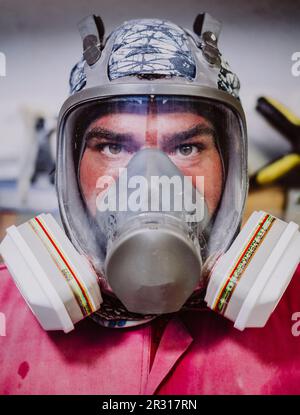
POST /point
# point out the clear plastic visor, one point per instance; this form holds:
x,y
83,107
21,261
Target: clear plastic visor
x,y
203,139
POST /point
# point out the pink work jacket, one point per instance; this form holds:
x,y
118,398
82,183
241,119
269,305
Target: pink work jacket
x,y
199,353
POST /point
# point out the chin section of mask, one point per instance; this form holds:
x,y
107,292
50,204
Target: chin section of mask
x,y
248,281
58,283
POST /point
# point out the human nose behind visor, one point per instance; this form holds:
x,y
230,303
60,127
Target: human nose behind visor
x,y
153,217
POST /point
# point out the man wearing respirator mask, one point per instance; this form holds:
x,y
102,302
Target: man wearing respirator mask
x,y
151,181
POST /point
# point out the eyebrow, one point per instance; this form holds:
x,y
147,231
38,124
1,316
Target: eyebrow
x,y
174,140
100,132
169,140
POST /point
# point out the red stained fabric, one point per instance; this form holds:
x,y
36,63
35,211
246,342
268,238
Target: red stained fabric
x,y
198,353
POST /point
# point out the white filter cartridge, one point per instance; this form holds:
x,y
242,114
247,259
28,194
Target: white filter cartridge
x,y
248,281
58,283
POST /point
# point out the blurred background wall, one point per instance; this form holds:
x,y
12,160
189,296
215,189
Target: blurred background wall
x,y
41,43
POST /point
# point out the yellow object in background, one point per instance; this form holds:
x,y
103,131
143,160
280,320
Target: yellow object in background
x,y
284,170
286,112
277,169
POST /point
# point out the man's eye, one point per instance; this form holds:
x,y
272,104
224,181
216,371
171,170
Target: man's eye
x,y
187,149
110,149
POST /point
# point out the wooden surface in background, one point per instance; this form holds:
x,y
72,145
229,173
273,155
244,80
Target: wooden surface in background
x,y
270,199
6,220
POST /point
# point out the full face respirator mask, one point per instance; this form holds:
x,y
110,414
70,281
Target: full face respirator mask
x,y
151,181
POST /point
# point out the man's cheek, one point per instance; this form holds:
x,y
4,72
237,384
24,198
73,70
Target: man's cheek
x,y
213,188
88,182
90,199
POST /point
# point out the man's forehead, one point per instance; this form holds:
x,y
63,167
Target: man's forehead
x,y
134,120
